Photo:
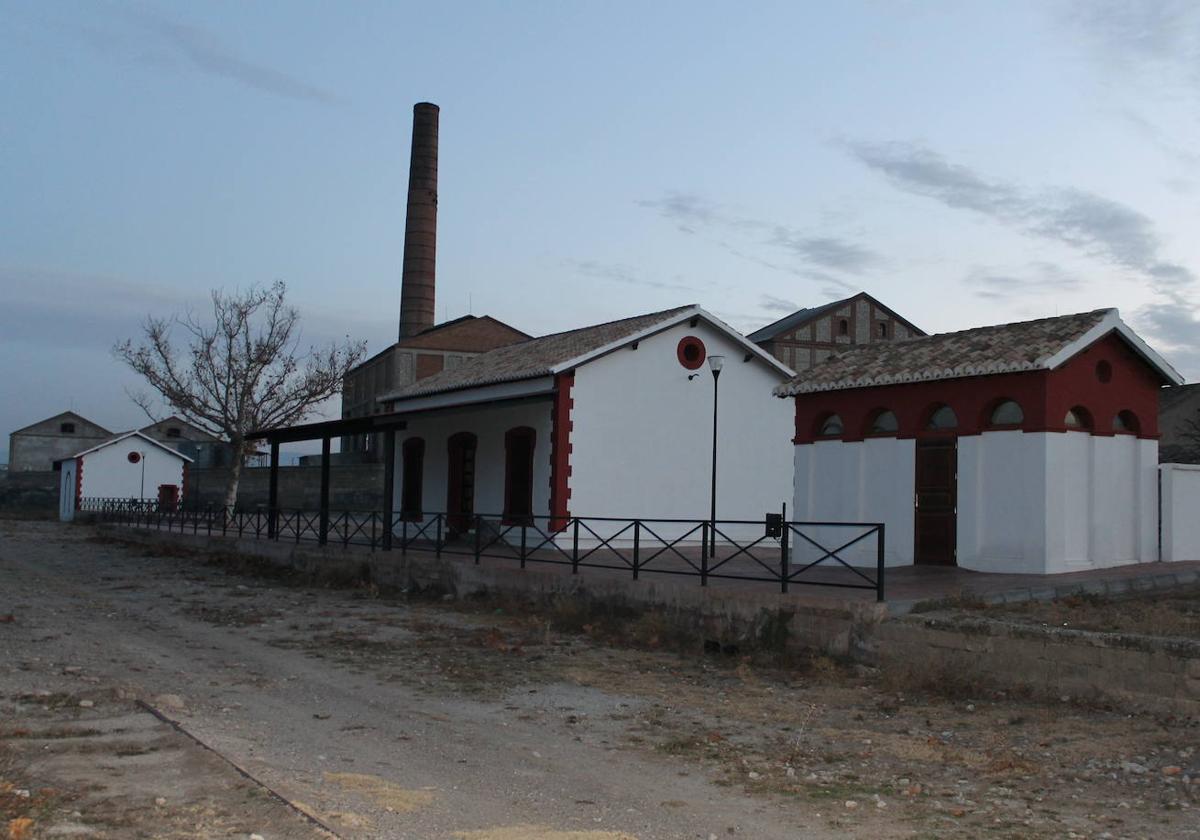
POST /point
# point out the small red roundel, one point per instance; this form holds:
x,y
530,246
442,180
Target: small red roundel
x,y
134,457
691,352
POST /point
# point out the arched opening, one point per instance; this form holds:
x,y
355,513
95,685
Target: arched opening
x,y
843,327
1078,418
1126,422
460,484
518,475
883,422
412,478
829,426
942,418
1005,414
881,328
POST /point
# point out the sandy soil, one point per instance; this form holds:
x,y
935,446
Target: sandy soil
x,y
385,718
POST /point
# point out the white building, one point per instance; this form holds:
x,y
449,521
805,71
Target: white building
x,y
613,420
127,467
1028,447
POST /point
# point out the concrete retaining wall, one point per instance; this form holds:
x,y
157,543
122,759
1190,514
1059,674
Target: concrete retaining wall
x,y
31,491
1127,669
726,615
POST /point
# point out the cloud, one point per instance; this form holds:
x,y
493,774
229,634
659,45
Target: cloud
x,y
174,41
623,274
1035,279
1139,33
694,214
1097,226
776,304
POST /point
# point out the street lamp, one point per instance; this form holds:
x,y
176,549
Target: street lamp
x,y
715,363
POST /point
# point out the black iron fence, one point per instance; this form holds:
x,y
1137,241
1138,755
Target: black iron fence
x,y
775,550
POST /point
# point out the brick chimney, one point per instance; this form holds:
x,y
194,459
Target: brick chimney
x,y
420,228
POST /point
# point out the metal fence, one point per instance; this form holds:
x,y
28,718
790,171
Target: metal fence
x,y
847,555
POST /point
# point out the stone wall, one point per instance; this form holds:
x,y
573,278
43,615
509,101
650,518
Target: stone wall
x,y
351,487
33,492
1128,669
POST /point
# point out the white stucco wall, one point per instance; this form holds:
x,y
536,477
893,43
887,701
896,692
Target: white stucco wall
x,y
642,434
1027,503
107,472
489,424
864,481
1180,511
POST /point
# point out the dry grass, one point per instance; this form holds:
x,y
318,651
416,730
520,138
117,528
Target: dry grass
x,y
1174,613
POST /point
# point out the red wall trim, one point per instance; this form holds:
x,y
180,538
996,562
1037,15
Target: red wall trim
x,y
183,484
691,342
560,451
78,482
1044,397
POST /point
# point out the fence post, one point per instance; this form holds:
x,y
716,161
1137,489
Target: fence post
x,y
785,573
403,535
704,553
478,535
879,563
437,543
208,516
637,539
575,548
522,545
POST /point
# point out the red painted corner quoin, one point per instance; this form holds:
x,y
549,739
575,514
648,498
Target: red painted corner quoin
x,y
560,451
1045,397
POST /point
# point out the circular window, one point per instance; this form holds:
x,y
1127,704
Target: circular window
x,y
134,457
1103,371
691,352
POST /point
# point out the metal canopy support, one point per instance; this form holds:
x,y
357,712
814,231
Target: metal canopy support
x,y
324,534
273,493
389,485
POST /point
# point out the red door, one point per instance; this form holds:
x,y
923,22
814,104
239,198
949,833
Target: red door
x,y
460,484
936,500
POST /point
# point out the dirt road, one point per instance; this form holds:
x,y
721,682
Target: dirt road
x,y
381,718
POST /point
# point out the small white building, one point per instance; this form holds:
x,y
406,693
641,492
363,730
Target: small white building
x,y
613,420
1028,447
132,466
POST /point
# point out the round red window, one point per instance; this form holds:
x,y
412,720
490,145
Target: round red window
x,y
134,457
691,352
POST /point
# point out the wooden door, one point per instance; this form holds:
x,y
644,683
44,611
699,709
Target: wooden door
x,y
936,500
460,496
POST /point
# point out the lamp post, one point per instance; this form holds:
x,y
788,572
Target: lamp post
x,y
715,363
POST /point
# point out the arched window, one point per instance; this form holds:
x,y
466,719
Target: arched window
x,y
830,426
843,327
1078,418
1006,413
1126,422
942,418
882,329
412,477
518,475
884,423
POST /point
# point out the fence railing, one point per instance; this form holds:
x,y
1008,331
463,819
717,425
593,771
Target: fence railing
x,y
847,555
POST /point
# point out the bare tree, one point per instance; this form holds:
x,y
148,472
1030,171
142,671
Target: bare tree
x,y
240,373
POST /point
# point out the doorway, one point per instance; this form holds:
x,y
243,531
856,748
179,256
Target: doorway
x,y
460,495
935,502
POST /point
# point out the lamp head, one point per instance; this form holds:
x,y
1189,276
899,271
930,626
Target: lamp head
x,y
716,363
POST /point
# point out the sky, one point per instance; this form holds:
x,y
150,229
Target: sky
x,y
965,163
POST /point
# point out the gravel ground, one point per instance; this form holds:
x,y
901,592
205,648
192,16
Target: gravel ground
x,y
385,718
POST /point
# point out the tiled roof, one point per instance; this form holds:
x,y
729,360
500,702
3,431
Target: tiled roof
x,y
533,358
1006,348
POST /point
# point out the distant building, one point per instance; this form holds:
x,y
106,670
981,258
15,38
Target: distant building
x,y
204,449
1179,417
411,359
37,446
810,336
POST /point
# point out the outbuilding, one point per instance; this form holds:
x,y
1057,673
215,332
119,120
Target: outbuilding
x,y
129,467
1029,447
